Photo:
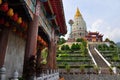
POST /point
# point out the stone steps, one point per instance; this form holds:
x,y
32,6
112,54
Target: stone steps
x,y
104,68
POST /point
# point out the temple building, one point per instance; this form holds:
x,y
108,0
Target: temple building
x,y
94,37
78,28
28,30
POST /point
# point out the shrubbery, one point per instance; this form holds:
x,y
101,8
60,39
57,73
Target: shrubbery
x,y
65,47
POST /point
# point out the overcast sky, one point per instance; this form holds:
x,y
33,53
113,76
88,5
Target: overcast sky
x,y
102,16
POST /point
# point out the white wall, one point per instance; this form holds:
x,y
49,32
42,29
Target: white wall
x,y
14,57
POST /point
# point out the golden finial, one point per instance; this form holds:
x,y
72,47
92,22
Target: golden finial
x,y
77,13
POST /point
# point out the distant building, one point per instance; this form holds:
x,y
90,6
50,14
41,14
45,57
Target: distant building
x,y
94,37
78,29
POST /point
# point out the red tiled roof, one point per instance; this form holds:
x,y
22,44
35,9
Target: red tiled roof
x,y
56,8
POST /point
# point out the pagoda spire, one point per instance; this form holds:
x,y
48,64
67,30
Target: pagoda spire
x,y
77,14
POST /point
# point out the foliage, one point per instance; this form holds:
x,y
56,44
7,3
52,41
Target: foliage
x,y
20,78
65,47
79,40
61,41
115,57
84,43
96,68
86,51
112,47
67,67
112,42
107,40
99,47
75,46
82,67
44,54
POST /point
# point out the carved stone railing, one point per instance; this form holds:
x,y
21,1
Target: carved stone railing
x,y
50,75
3,74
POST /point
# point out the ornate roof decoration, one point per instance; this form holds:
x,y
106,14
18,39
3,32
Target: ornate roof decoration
x,y
77,13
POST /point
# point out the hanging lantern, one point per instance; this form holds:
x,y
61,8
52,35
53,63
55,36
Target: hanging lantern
x,y
2,21
15,17
10,12
0,1
4,7
19,21
22,24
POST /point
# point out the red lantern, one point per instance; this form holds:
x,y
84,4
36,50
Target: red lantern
x,y
0,1
19,21
4,7
22,24
2,21
10,12
15,17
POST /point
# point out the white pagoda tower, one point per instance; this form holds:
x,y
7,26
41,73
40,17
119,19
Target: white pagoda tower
x,y
79,29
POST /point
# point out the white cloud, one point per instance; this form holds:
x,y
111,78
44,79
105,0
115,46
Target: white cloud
x,y
108,31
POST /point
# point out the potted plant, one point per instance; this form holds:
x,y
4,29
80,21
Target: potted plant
x,y
67,68
96,69
82,68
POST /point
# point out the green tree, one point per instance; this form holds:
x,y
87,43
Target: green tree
x,y
100,47
61,41
65,47
79,40
73,47
112,42
107,40
77,46
84,43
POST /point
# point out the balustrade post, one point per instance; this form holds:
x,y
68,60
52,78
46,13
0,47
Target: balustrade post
x,y
51,71
15,75
47,72
2,73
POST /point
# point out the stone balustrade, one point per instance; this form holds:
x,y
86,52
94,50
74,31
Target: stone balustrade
x,y
50,75
3,74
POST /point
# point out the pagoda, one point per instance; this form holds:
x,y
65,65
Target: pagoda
x,y
78,27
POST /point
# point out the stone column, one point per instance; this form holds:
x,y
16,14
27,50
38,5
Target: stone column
x,y
30,51
3,44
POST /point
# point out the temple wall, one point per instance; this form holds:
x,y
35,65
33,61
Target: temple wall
x,y
14,57
90,77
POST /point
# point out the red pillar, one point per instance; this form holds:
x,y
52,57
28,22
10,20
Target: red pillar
x,y
50,59
50,55
30,51
53,56
3,44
